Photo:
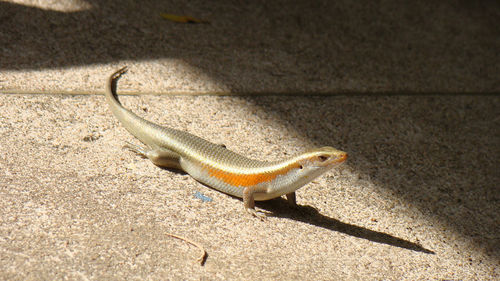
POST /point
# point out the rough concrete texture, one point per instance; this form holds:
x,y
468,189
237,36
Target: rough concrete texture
x,y
255,47
418,199
422,177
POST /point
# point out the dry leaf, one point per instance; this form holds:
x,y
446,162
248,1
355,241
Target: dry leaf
x,y
182,19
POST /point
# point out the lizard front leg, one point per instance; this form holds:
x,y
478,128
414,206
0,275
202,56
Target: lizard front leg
x,y
249,200
291,198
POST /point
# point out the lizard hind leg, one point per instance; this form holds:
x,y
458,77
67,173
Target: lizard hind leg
x,y
160,157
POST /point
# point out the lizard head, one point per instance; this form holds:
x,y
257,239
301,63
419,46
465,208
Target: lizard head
x,y
305,167
324,157
314,163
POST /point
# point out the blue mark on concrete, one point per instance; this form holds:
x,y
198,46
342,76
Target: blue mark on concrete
x,y
204,198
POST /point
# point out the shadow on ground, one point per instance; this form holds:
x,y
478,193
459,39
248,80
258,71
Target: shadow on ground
x,y
277,46
310,215
439,153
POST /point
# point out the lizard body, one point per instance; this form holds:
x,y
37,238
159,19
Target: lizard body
x,y
218,167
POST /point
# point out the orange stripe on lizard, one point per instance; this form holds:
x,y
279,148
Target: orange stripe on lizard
x,y
245,180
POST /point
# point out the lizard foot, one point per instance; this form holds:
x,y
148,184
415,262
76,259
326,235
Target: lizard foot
x,y
254,213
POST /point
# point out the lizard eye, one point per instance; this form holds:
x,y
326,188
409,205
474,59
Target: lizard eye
x,y
322,158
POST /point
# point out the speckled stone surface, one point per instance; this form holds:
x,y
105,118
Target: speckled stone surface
x,y
418,198
415,104
254,47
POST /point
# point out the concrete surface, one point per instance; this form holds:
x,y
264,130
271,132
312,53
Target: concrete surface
x,y
256,47
422,177
418,198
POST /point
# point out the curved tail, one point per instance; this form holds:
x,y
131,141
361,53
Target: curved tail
x,y
111,88
136,125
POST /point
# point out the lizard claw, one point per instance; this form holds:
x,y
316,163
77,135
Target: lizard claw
x,y
136,149
254,213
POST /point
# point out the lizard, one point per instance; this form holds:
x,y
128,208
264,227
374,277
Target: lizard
x,y
218,167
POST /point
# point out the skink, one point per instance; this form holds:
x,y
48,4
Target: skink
x,y
218,167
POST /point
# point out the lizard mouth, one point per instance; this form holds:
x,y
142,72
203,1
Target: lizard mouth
x,y
342,157
336,159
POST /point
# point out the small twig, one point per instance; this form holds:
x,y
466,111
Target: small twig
x,y
203,253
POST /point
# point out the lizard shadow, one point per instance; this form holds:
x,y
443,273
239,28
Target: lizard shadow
x,y
279,207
